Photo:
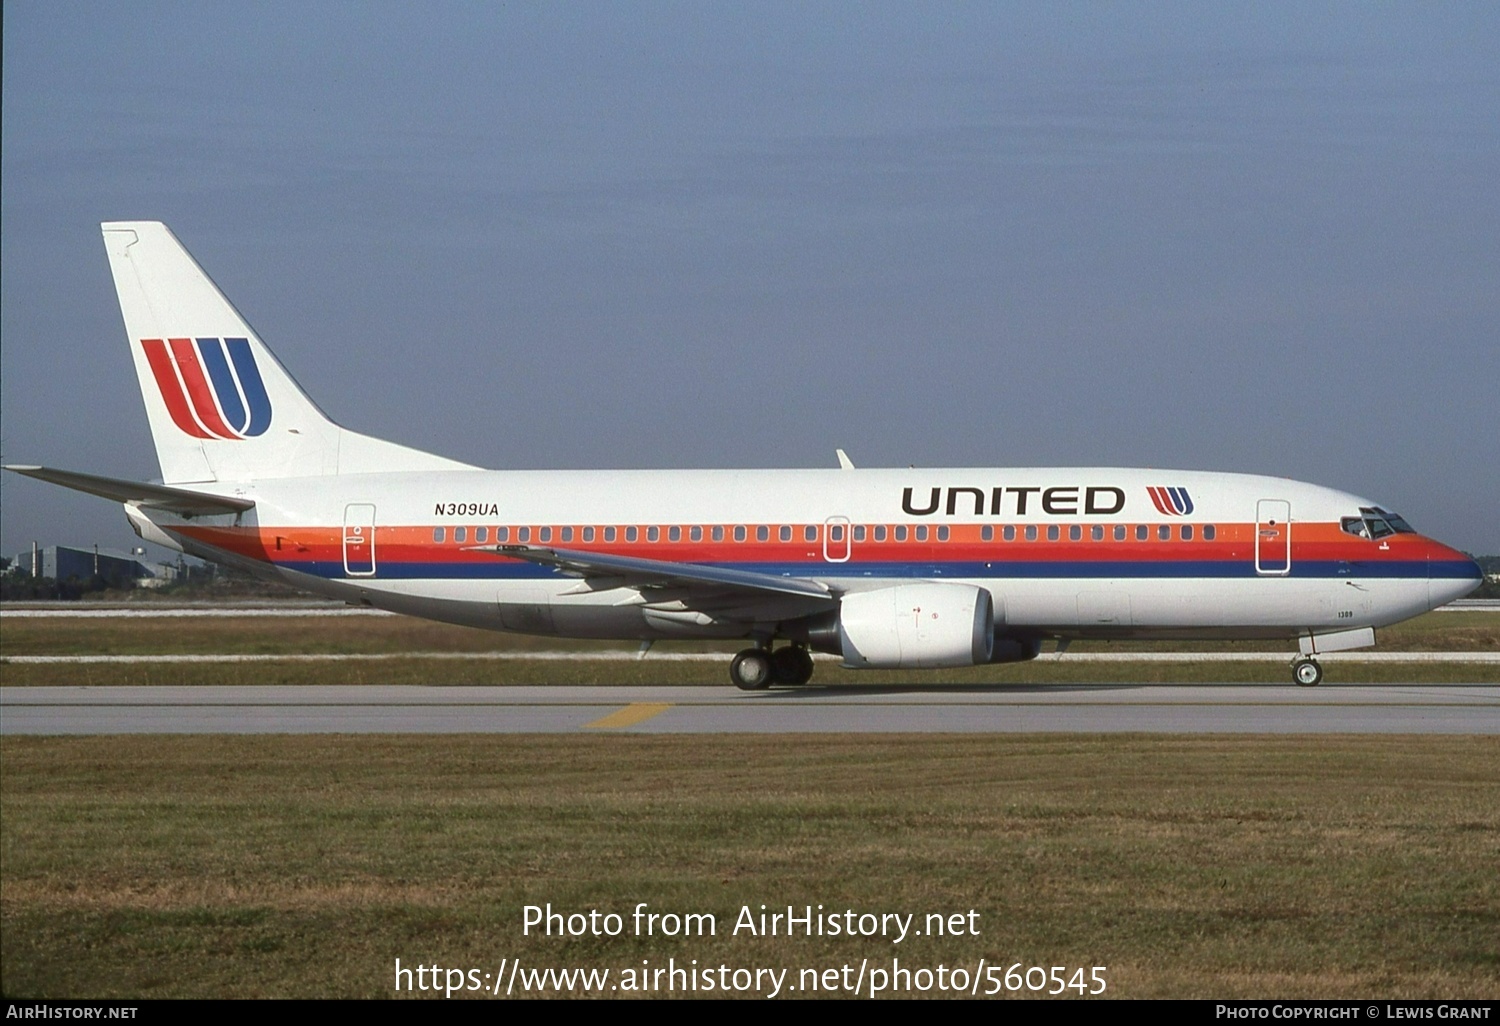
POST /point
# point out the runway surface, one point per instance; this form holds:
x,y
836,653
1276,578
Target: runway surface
x,y
1205,708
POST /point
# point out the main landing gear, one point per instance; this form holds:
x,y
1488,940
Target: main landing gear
x,y
756,669
1307,673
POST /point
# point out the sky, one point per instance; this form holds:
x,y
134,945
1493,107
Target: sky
x,y
1254,238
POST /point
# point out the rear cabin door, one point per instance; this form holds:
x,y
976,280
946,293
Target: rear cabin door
x,y
359,539
1273,537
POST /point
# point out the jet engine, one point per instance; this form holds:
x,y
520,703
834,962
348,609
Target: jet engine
x,y
917,625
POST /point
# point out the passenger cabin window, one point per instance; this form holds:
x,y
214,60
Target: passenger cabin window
x,y
880,532
481,534
438,534
653,533
810,533
718,532
943,533
1164,532
739,532
674,534
588,534
1097,532
567,534
1010,532
609,534
859,532
901,532
1142,532
544,534
1119,532
632,533
460,534
921,532
523,534
1187,532
1075,533
695,533
1208,532
1031,532
502,534
987,532
785,534
1053,532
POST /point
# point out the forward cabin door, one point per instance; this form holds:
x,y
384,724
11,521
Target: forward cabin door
x,y
359,539
1273,538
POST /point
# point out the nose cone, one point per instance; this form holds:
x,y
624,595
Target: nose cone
x,y
1450,574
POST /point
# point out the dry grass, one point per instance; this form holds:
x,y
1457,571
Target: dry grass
x,y
1468,631
1434,632
508,673
304,866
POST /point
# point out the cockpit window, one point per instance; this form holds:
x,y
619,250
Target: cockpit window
x,y
1397,522
1374,522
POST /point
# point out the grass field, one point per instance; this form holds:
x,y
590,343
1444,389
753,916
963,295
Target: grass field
x,y
1434,632
1191,867
1287,866
401,636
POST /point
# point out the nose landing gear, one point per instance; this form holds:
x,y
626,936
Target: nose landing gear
x,y
1307,673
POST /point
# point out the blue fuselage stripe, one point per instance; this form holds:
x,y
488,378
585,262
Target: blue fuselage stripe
x,y
998,570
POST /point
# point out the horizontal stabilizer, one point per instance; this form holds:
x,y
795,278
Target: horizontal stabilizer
x,y
151,496
660,573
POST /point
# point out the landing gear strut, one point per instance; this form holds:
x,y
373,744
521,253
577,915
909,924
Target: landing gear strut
x,y
756,669
1307,673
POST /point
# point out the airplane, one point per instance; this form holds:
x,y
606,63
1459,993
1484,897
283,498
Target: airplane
x,y
886,568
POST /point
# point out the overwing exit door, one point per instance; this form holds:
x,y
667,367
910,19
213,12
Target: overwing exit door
x,y
837,545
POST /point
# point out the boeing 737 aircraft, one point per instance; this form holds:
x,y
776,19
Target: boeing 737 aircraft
x,y
885,568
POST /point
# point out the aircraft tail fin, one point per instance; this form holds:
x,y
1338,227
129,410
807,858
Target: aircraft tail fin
x,y
221,406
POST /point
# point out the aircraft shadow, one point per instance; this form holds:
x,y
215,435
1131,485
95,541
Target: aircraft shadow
x,y
865,690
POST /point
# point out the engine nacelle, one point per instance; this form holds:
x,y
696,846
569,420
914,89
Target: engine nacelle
x,y
917,625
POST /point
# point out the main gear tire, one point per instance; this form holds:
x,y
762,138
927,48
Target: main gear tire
x,y
751,670
791,665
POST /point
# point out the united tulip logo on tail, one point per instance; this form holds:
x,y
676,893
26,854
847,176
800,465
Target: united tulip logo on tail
x,y
211,386
1174,502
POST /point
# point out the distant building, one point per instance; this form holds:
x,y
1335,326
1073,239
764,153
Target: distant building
x,y
62,562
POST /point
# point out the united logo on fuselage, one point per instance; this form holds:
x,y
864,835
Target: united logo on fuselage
x,y
1174,502
211,386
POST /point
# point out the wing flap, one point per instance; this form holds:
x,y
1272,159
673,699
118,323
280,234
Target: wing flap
x,y
631,571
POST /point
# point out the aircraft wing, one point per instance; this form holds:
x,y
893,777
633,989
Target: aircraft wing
x,y
182,501
655,573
